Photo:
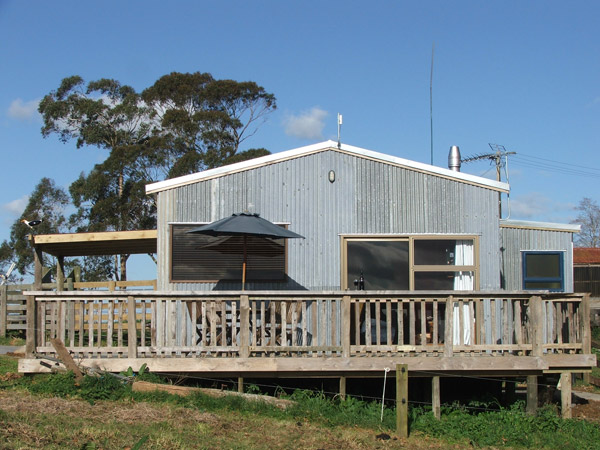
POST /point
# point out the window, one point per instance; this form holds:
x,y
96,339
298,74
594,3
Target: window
x,y
543,270
200,258
409,263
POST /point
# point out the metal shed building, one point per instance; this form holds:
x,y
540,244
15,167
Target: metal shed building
x,y
332,194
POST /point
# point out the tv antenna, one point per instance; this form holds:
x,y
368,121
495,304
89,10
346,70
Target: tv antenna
x,y
499,157
4,277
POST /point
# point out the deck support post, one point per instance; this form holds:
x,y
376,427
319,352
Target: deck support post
x,y
343,388
240,385
532,394
435,397
402,400
131,328
565,395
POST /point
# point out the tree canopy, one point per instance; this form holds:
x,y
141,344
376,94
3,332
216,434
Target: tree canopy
x,y
203,121
47,203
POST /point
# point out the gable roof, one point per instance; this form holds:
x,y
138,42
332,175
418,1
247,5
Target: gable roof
x,y
586,255
322,147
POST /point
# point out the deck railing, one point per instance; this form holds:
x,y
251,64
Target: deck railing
x,y
124,324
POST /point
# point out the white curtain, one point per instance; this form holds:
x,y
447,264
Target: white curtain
x,y
463,281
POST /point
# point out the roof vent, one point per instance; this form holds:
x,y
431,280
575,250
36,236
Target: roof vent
x,y
454,158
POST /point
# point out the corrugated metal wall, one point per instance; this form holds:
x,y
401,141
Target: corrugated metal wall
x,y
367,197
517,240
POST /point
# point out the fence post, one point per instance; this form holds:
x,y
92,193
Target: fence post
x,y
345,325
3,310
30,343
131,328
244,326
402,400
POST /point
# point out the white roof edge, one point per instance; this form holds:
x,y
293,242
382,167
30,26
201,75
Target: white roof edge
x,y
569,227
274,157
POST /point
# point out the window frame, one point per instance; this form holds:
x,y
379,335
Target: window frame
x,y
413,268
217,280
561,278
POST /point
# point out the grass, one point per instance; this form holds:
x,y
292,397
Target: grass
x,y
12,339
49,411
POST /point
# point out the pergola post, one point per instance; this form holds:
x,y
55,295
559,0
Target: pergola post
x,y
37,265
60,274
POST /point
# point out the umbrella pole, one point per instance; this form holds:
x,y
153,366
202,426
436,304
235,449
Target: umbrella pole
x,y
244,267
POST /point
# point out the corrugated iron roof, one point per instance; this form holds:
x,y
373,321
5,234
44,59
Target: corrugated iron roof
x,y
586,255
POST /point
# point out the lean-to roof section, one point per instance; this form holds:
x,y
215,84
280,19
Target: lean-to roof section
x,y
321,147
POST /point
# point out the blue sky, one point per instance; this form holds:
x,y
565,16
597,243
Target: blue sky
x,y
522,74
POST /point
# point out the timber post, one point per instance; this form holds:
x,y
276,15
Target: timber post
x,y
60,274
37,264
435,397
30,343
536,321
346,319
3,310
244,328
586,330
131,328
343,388
565,395
402,400
448,331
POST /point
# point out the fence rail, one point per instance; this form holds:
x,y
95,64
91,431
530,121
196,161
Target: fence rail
x,y
13,309
134,324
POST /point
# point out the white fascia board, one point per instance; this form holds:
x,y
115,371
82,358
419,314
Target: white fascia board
x,y
549,226
236,167
322,146
426,168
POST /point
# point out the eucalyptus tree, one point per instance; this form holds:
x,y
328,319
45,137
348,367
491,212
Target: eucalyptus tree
x,y
203,121
182,124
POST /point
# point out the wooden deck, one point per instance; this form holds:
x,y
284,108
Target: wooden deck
x,y
301,333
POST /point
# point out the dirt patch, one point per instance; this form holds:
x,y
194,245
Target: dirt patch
x,y
589,411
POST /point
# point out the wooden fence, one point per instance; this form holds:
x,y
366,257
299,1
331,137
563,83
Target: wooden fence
x,y
151,324
13,307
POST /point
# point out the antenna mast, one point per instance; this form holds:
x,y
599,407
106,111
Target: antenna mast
x,y
431,102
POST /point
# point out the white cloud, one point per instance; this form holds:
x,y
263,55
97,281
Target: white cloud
x,y
16,207
22,110
306,125
537,206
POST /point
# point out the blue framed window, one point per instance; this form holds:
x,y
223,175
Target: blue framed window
x,y
543,271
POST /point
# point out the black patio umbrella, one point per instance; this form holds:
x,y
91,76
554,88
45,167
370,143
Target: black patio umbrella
x,y
245,225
